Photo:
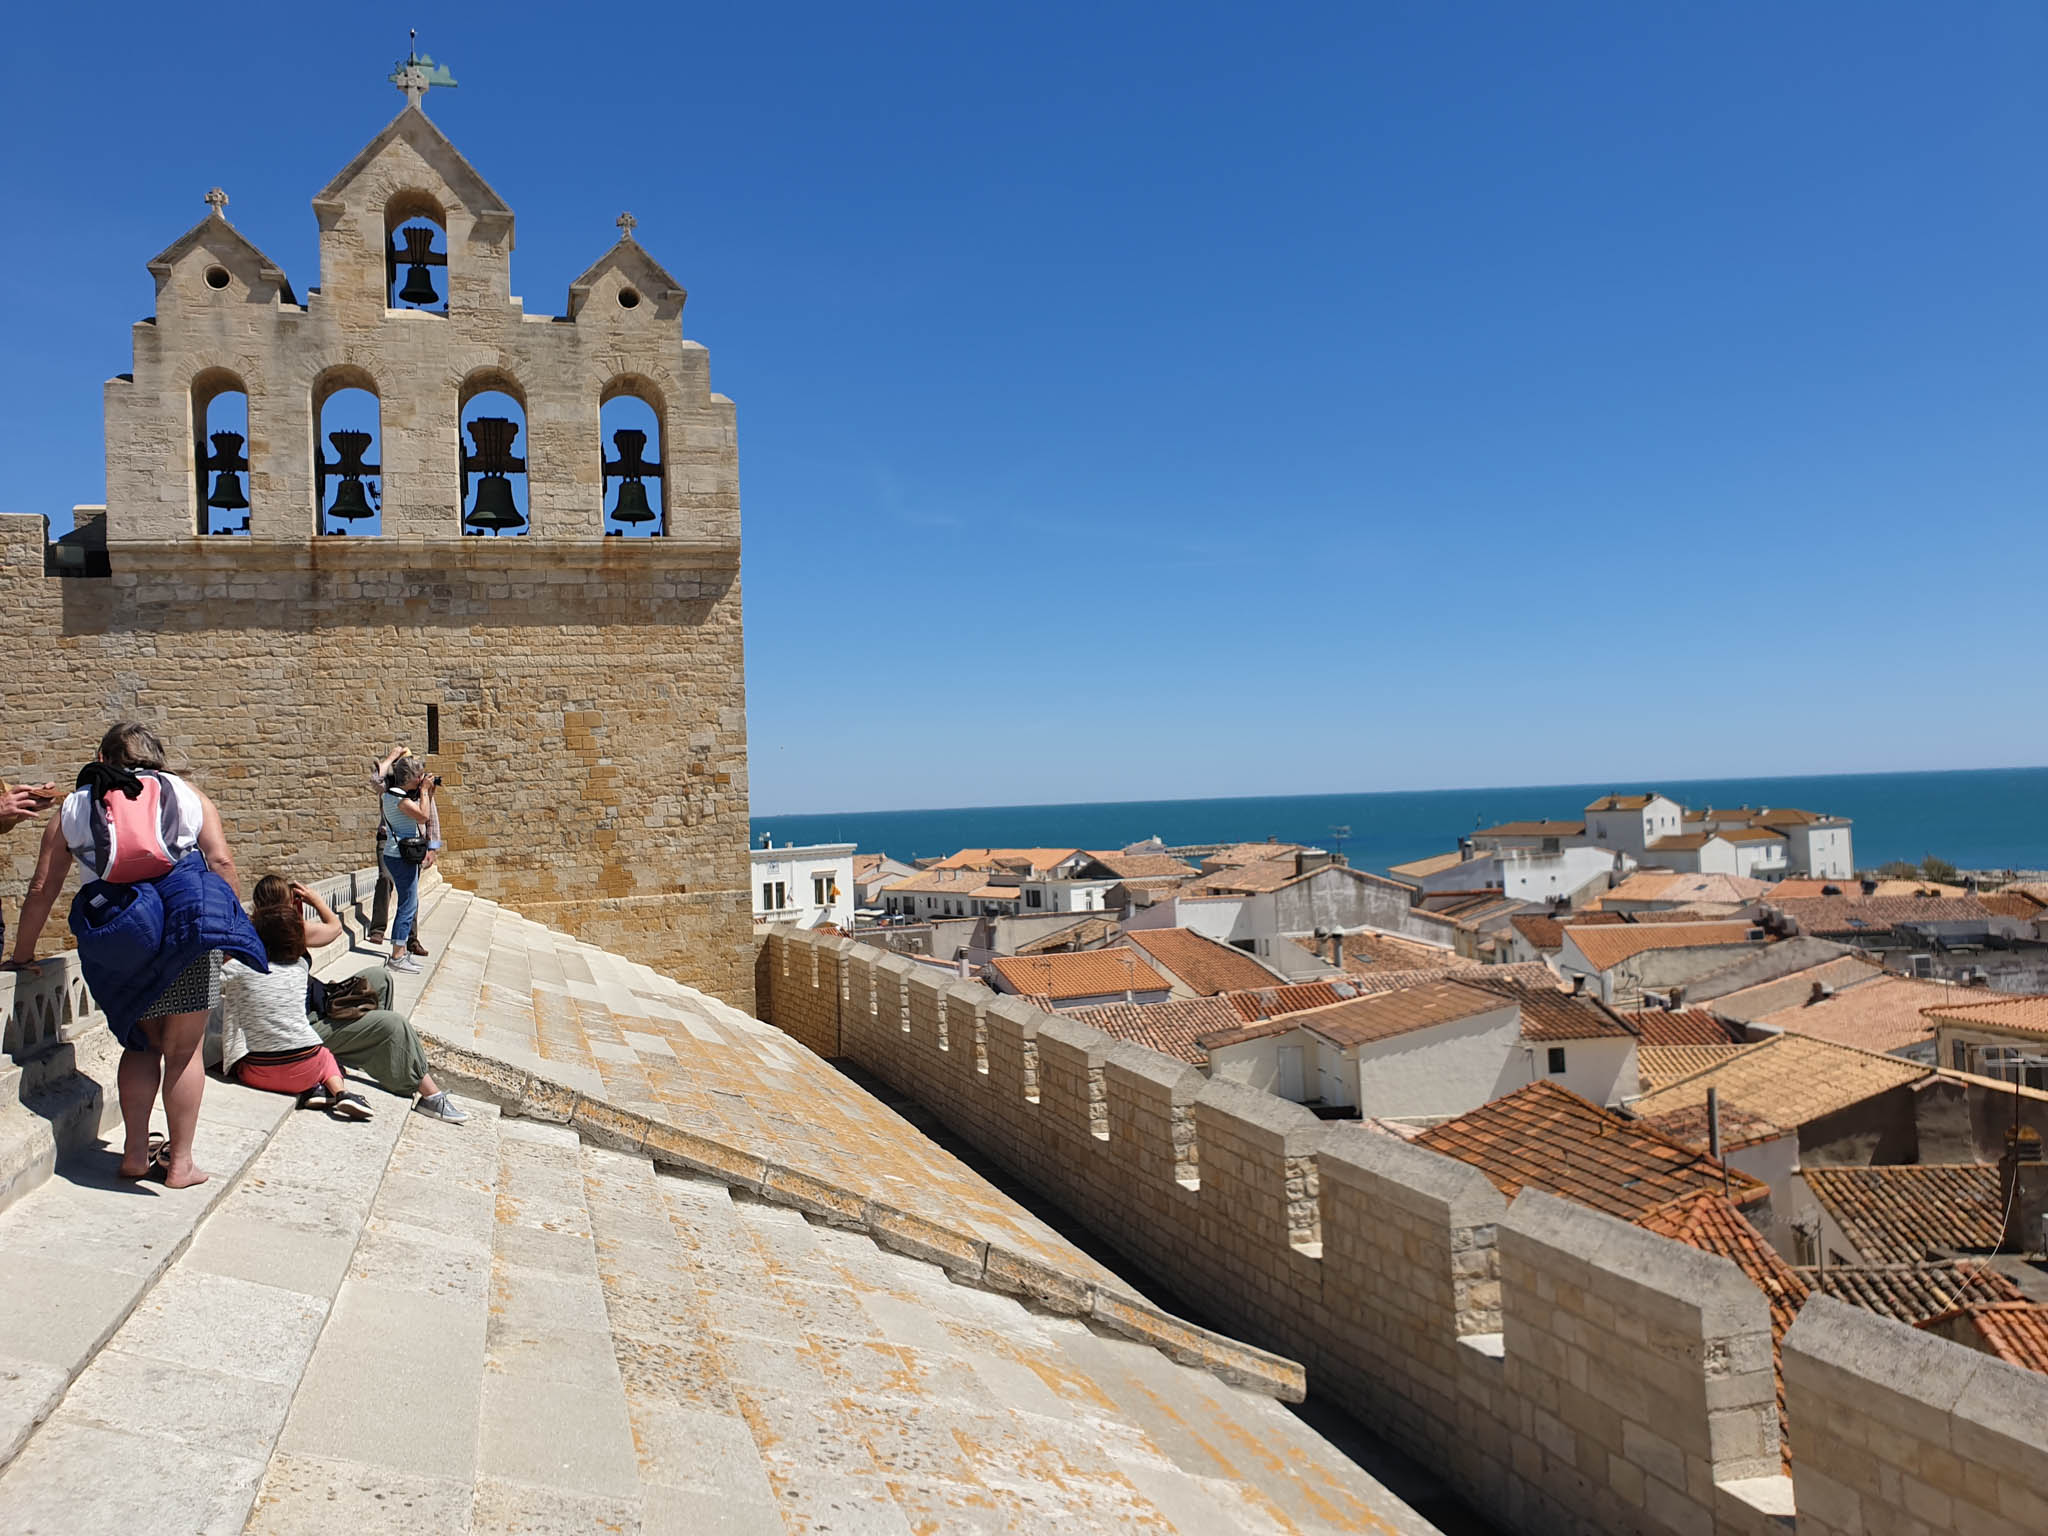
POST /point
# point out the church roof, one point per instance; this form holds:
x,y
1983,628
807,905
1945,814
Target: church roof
x,y
641,270
215,230
433,146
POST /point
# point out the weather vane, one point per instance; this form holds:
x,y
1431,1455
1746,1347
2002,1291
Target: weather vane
x,y
414,73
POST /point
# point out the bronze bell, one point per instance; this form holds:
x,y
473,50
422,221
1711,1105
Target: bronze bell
x,y
227,463
350,502
494,508
419,286
632,506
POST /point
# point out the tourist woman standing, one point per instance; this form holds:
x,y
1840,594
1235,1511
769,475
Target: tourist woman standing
x,y
151,926
408,808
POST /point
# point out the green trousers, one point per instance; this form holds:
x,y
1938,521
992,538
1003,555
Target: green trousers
x,y
382,1044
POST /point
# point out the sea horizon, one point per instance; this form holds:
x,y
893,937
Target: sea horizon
x,y
1976,818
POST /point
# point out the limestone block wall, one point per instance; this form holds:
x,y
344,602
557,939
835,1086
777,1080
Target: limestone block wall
x,y
590,695
1566,1372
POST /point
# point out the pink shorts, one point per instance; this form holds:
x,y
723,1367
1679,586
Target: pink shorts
x,y
288,1076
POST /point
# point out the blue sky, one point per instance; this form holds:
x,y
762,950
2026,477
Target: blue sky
x,y
1144,401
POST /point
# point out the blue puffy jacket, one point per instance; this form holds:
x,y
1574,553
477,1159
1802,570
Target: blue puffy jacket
x,y
135,940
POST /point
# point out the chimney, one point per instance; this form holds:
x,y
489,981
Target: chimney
x,y
1818,994
1677,998
1578,984
2022,1187
1337,948
1869,886
1464,849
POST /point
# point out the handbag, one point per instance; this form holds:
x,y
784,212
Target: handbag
x,y
341,1002
413,849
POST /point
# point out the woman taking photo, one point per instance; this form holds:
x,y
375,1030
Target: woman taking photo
x,y
266,1040
408,808
133,828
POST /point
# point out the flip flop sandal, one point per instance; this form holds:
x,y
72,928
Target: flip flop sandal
x,y
349,1106
158,1154
317,1097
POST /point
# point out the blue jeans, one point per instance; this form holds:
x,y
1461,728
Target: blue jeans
x,y
405,879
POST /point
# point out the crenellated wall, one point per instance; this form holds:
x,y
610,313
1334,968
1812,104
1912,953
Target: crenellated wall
x,y
1564,1371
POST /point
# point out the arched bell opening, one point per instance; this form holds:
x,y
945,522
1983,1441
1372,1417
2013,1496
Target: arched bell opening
x,y
495,489
348,454
635,460
416,253
220,437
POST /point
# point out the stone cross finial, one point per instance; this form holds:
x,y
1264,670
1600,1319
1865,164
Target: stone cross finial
x,y
217,200
627,224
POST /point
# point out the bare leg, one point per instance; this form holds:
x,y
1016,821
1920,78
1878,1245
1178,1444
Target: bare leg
x,y
428,1087
140,1076
184,1081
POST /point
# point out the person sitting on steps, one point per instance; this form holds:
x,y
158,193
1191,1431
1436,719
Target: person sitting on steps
x,y
265,1041
408,812
381,1044
380,904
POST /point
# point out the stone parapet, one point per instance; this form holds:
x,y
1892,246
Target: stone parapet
x,y
1565,1372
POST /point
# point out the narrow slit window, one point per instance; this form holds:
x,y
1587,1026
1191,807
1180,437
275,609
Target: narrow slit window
x,y
433,728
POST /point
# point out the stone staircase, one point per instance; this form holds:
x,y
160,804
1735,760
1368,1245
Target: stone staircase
x,y
507,1326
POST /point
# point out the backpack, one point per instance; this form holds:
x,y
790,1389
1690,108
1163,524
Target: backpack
x,y
133,834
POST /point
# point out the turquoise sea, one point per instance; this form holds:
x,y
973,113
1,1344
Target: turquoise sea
x,y
1987,818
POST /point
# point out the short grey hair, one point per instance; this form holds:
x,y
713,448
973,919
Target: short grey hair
x,y
404,771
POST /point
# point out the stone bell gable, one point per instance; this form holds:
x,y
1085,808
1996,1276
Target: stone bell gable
x,y
250,335
572,664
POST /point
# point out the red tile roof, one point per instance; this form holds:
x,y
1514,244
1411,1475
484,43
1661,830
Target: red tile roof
x,y
1607,946
2015,1331
1384,1015
1907,1293
1204,966
1709,1223
1850,916
1739,1128
2026,1015
1089,973
1546,1137
1534,829
1679,1026
1880,1014
1900,1214
1171,1028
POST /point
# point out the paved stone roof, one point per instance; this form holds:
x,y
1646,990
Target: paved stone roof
x,y
1607,945
1907,1293
1900,1214
1679,1026
1849,917
1668,885
1790,1080
2027,1015
1548,1138
2015,1331
1172,1028
1085,973
1202,965
1881,1014
1711,1224
1796,987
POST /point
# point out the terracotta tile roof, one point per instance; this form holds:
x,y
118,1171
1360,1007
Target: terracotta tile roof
x,y
1016,860
1270,1002
2026,1015
1077,935
1750,835
2011,904
1680,1026
1436,863
1803,888
1383,1015
1204,966
1089,973
1534,829
1881,1015
1685,842
1786,816
1621,802
1840,973
1549,1012
1171,1028
1546,932
1660,1066
970,884
1236,854
1901,1214
2015,1331
1709,1223
1366,953
1607,945
1789,1080
1145,866
1850,916
1244,879
1546,1137
1664,885
1739,1128
1909,1292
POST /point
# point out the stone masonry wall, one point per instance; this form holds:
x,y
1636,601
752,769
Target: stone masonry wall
x,y
1565,1372
591,697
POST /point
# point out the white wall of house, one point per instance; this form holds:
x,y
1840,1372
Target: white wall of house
x,y
1064,895
1822,851
1531,875
806,885
1434,1073
1481,872
1601,1069
1634,831
1760,861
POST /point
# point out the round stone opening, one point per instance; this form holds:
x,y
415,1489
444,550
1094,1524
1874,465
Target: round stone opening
x,y
217,277
629,298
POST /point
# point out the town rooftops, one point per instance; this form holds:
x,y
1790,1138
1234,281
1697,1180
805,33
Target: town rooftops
x,y
1621,803
1750,835
1692,1126
1421,869
1548,1138
1660,1066
1369,953
1680,1026
1854,916
1144,866
1534,829
1904,1213
1088,973
1790,1080
1907,1293
1085,933
1685,889
2026,1015
970,884
1796,987
1259,1003
1173,1028
1606,945
1235,854
1550,1013
1683,842
1381,1016
1203,966
1013,860
2015,1331
1882,1014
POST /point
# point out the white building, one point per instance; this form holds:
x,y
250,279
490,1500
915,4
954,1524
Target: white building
x,y
1432,1051
1630,823
807,885
1748,853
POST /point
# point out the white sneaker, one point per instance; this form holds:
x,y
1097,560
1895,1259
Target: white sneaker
x,y
438,1106
402,962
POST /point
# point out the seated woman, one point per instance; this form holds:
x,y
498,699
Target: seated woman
x,y
265,1039
382,1044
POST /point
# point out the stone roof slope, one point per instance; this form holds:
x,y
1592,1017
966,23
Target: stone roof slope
x,y
1789,1080
1906,1293
1901,1214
